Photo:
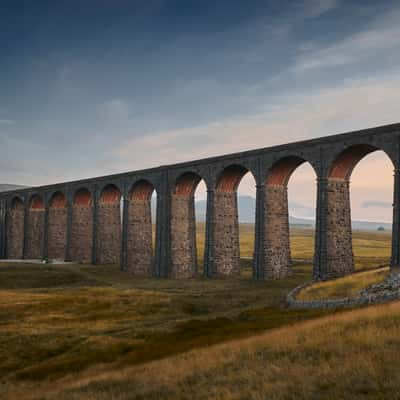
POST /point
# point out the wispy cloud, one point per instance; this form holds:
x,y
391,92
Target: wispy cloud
x,y
114,111
316,8
7,122
355,104
381,36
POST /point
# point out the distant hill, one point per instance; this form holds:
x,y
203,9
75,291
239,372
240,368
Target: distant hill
x,y
4,187
247,206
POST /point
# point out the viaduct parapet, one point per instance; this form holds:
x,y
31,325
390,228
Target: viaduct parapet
x,y
81,220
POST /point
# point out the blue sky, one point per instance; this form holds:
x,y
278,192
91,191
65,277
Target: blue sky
x,y
96,87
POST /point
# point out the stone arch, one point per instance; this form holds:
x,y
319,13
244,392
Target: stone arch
x,y
281,171
230,177
82,226
226,244
276,244
15,229
344,164
339,246
183,226
139,259
57,226
35,228
109,225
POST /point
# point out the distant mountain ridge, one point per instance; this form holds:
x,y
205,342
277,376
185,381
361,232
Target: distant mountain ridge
x,y
247,206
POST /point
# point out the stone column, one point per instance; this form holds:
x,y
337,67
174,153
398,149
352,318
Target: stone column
x,y
139,237
320,265
14,232
259,258
35,238
45,234
226,249
68,244
277,258
183,237
3,229
108,232
339,250
57,232
209,240
124,238
162,262
82,231
26,227
95,217
395,259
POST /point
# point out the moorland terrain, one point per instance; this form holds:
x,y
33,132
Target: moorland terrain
x,y
94,332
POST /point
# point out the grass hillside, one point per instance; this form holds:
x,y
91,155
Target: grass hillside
x,y
353,355
90,332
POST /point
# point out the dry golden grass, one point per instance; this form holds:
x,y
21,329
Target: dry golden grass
x,y
353,355
94,327
348,286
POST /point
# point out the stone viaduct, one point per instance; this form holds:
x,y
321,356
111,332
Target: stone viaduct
x,y
81,220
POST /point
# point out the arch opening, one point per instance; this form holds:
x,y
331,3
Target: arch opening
x,y
36,203
110,195
83,198
230,178
289,212
141,228
58,200
344,164
109,226
15,230
282,170
353,242
82,227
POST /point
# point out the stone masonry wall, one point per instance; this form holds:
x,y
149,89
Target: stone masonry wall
x,y
276,244
108,233
139,241
35,234
15,233
183,237
226,234
57,234
340,259
81,238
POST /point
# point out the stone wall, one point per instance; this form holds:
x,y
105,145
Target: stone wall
x,y
277,259
139,240
82,234
226,234
35,234
57,233
108,233
339,248
15,232
183,237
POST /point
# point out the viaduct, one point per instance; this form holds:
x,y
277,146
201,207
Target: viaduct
x,y
81,220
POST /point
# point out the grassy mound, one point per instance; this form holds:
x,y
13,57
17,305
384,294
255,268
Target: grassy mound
x,y
348,286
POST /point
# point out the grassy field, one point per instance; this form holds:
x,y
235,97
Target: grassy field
x,y
88,332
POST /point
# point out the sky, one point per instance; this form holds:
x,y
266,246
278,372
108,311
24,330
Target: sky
x,y
94,87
